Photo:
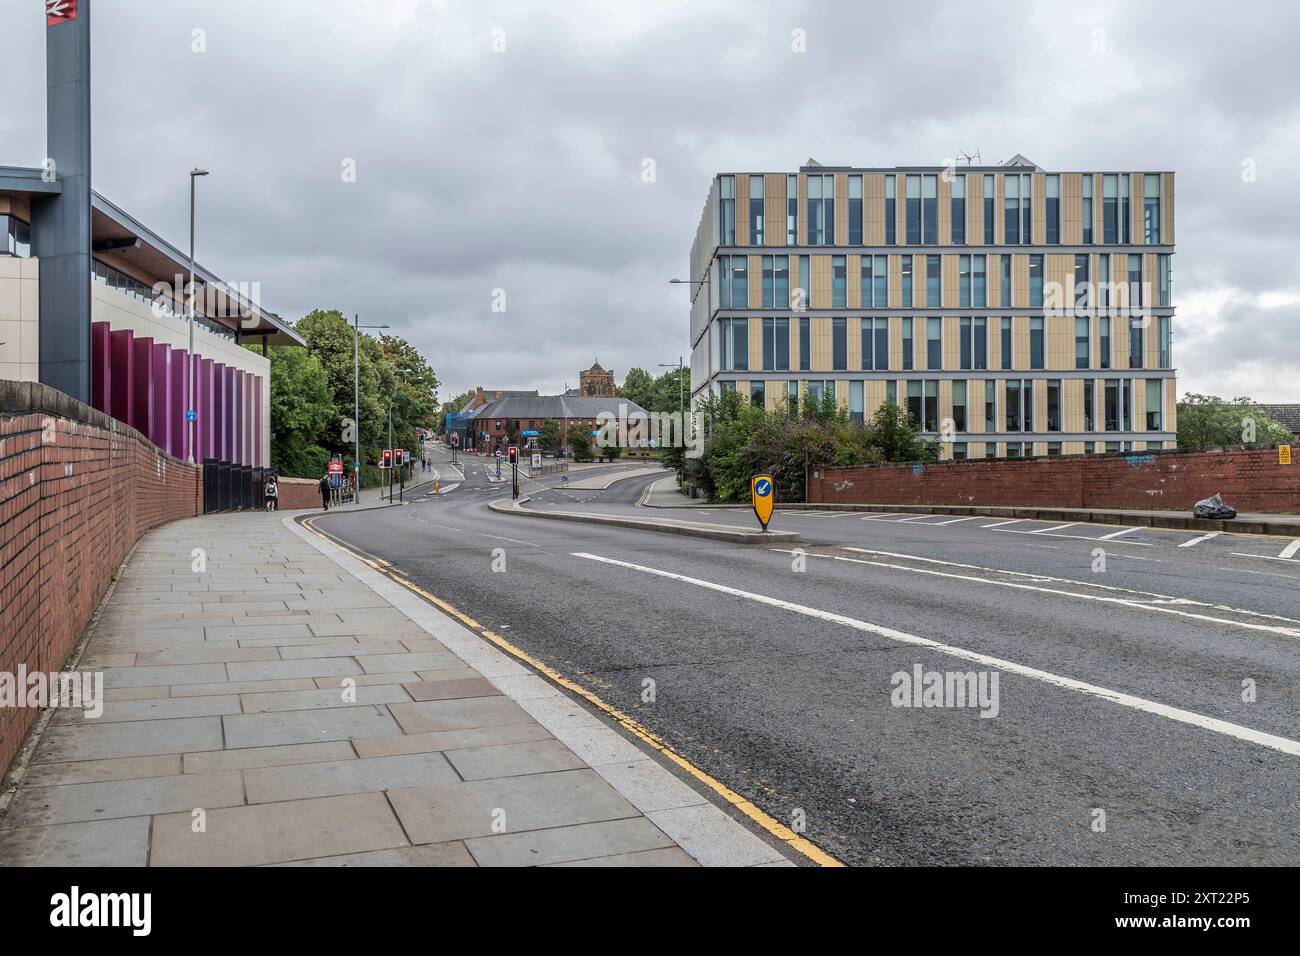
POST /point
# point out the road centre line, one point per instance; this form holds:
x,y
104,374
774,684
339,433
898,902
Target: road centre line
x,y
1247,734
1158,603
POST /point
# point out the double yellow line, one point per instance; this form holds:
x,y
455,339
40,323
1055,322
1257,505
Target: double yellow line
x,y
765,820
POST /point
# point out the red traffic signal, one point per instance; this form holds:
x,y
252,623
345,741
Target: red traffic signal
x,y
513,454
397,456
387,461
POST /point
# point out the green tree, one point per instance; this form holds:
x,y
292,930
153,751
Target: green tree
x,y
637,387
1207,421
302,409
579,444
896,434
548,437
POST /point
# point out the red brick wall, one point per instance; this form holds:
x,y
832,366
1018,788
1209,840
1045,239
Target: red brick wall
x,y
299,493
1250,479
77,489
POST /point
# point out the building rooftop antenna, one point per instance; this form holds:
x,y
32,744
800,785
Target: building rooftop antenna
x,y
969,158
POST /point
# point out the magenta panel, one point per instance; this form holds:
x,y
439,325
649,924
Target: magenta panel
x,y
179,386
237,418
142,397
205,407
101,367
122,356
228,415
258,459
160,422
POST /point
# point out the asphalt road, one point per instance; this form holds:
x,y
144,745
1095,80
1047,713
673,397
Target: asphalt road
x,y
1122,658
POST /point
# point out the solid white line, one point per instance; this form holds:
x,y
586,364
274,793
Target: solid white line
x,y
1157,602
1264,557
955,520
1077,537
1204,537
1001,523
914,518
1290,549
1058,527
1116,534
1283,744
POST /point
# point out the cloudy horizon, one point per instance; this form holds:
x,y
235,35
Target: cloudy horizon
x,y
501,146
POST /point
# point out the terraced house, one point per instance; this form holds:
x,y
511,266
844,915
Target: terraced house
x,y
1014,311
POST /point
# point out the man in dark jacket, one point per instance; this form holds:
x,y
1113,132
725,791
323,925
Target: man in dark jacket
x,y
325,491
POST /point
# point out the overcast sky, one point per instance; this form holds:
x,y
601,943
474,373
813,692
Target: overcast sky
x,y
520,167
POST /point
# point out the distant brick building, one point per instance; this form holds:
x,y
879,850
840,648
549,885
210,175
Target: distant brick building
x,y
596,382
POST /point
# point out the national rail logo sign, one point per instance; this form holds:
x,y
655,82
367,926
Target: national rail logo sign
x,y
58,11
763,492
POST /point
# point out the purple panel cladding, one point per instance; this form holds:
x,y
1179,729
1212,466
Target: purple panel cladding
x,y
218,410
142,397
101,368
122,355
237,416
160,423
228,416
205,406
258,455
178,399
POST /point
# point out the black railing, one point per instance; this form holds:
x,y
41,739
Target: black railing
x,y
231,487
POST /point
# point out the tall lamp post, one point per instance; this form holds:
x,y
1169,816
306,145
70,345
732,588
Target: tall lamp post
x,y
191,421
356,403
680,365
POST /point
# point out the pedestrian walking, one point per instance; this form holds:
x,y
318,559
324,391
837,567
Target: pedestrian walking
x,y
325,491
272,494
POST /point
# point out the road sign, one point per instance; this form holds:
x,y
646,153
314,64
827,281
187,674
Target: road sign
x,y
1284,454
762,491
530,433
336,466
191,415
498,453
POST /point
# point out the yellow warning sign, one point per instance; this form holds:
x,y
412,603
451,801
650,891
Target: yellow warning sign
x,y
763,492
1284,454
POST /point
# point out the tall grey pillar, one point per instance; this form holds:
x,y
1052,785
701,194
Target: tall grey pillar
x,y
61,222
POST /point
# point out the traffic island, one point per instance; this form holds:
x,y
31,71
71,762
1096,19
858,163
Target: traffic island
x,y
695,529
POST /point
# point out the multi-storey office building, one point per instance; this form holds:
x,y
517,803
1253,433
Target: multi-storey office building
x,y
1012,310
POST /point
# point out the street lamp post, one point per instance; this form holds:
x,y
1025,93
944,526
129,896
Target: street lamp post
x,y
190,425
680,365
356,403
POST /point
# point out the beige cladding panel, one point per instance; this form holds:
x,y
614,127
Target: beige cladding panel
x,y
945,211
774,209
1039,181
742,209
1167,208
1119,340
1072,405
842,393
900,207
951,268
873,397
896,281
821,343
853,284
895,343
873,209
755,266
853,338
919,273
951,342
1019,281
841,209
794,342
755,344
999,211
1020,341
821,282
1171,405
994,326
1060,342
1072,209
945,401
993,275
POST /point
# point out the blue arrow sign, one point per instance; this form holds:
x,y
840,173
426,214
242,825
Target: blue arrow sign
x,y
763,488
191,415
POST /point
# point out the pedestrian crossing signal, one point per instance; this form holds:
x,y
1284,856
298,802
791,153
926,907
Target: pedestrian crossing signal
x,y
397,456
387,460
513,454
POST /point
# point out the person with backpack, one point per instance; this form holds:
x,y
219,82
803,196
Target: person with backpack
x,y
325,491
272,491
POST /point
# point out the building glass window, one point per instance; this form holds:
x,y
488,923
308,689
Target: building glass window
x,y
856,400
891,210
1082,342
776,345
1103,341
839,282
727,211
1006,343
875,344
792,396
1089,391
1037,347
805,344
1006,279
974,343
959,451
1014,422
1155,401
1151,208
990,199
1052,210
909,348
1164,281
933,286
990,405
959,405
757,396
1036,281
735,345
755,210
929,210
1163,328
840,344
1111,406
1136,344
776,282
855,210
913,209
979,282
1125,214
1087,208
907,281
1053,449
959,210
1126,404
792,210
1053,404
934,343
805,283
821,210
1103,281
1082,294
1135,282
735,282
1110,209
15,237
875,282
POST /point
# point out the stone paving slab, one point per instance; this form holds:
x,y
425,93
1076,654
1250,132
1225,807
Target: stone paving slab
x,y
310,711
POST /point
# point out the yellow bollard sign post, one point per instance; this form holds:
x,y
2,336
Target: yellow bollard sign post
x,y
762,491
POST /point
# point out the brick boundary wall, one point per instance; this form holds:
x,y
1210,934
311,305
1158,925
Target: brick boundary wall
x,y
299,493
77,489
1250,479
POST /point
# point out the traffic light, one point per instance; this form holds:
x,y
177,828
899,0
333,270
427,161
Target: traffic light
x,y
513,454
397,456
387,461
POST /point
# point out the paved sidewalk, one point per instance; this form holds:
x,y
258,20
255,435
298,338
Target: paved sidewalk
x,y
288,704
